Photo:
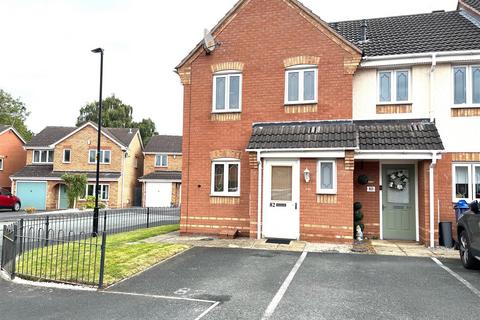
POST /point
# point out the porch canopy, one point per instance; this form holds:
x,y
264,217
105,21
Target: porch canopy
x,y
46,172
175,176
369,138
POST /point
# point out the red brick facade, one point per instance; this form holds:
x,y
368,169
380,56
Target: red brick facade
x,y
13,155
262,47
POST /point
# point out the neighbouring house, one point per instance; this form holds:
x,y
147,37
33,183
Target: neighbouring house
x,y
12,154
289,120
162,169
59,150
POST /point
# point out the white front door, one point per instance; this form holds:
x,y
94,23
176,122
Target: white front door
x,y
158,194
281,199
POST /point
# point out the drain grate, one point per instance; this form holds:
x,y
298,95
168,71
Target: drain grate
x,y
278,241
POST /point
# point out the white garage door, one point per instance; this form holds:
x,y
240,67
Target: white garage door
x,y
158,194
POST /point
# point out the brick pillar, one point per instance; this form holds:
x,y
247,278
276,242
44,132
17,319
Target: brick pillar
x,y
253,196
185,208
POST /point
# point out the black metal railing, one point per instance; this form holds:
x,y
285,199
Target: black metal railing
x,y
63,247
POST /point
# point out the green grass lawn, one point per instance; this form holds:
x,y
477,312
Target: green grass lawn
x,y
79,261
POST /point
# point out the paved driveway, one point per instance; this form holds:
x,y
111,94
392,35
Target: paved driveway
x,y
209,283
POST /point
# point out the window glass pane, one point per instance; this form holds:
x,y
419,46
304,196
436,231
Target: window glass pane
x,y
36,156
476,84
1,164
91,156
106,156
66,155
232,177
91,190
234,92
385,86
293,86
220,94
461,182
326,175
164,160
43,156
477,182
50,156
309,85
460,86
158,161
281,183
105,189
218,178
402,85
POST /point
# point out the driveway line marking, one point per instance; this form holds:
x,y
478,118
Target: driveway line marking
x,y
458,277
204,313
281,292
154,296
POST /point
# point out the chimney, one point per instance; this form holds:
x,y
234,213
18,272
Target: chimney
x,y
363,31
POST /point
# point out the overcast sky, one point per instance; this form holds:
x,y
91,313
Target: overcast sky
x,y
45,57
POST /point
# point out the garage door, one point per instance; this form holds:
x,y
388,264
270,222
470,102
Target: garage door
x,y
32,194
158,194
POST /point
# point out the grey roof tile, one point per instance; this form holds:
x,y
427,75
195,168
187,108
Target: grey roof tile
x,y
163,175
46,172
475,4
163,143
430,32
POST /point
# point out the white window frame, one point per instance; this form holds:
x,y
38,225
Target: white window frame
x,y
227,74
319,177
225,192
102,187
469,88
1,163
471,181
40,157
161,155
301,79
393,88
102,156
63,158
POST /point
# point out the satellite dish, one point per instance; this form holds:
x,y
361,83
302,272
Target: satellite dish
x,y
209,43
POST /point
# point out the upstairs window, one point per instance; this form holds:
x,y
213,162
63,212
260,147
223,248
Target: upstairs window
x,y
225,178
1,164
301,85
326,177
105,156
394,86
67,155
42,156
227,92
466,85
161,160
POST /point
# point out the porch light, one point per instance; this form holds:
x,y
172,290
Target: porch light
x,y
306,175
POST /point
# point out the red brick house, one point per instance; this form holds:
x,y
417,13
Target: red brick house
x,y
285,113
12,154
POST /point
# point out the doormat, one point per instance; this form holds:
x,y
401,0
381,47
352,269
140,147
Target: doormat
x,y
278,241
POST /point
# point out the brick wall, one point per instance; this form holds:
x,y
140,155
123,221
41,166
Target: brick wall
x,y
132,170
370,200
174,164
14,157
286,33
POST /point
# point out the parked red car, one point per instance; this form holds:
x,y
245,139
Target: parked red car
x,y
9,201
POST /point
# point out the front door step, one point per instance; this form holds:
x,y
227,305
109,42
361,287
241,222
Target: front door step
x,y
279,241
228,234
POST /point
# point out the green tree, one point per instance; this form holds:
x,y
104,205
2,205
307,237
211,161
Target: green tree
x,y
14,113
147,129
116,114
76,184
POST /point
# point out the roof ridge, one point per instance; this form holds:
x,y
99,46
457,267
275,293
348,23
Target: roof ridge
x,y
399,16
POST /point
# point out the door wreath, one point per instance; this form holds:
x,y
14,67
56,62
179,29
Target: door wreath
x,y
397,180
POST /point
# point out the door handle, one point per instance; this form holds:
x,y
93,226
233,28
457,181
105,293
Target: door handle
x,y
296,206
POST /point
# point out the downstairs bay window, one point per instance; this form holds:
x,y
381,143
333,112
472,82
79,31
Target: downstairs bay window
x,y
466,182
226,178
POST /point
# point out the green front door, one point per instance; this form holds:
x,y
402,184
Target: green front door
x,y
62,197
399,222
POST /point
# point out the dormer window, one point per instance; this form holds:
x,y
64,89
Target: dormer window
x,y
394,86
42,156
227,91
301,85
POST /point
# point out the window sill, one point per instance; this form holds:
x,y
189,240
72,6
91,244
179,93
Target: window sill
x,y
466,106
300,103
213,195
225,111
399,103
325,193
